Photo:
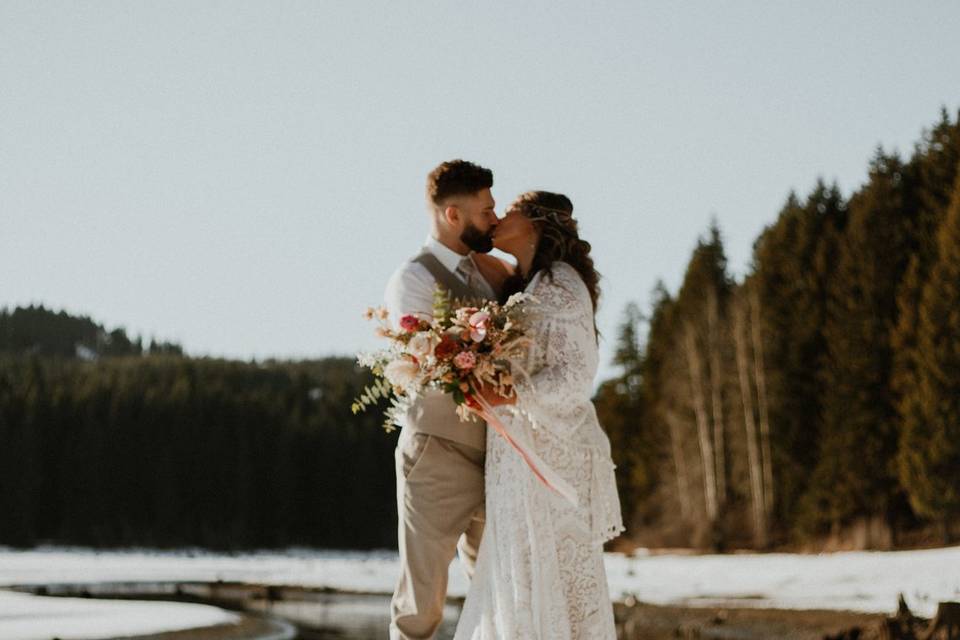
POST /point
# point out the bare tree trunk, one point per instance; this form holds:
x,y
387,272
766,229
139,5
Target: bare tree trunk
x,y
703,428
750,426
716,397
679,464
761,379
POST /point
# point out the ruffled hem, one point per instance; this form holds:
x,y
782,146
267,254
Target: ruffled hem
x,y
606,519
609,534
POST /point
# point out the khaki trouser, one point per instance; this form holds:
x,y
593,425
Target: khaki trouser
x,y
440,509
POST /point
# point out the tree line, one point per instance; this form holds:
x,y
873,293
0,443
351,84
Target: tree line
x,y
36,330
162,450
817,399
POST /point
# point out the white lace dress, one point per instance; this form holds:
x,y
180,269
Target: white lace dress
x,y
539,572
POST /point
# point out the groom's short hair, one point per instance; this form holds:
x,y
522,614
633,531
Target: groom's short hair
x,y
455,178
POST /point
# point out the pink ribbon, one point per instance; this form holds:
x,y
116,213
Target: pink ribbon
x,y
544,473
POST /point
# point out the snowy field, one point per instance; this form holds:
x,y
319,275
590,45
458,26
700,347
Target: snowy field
x,y
857,581
852,581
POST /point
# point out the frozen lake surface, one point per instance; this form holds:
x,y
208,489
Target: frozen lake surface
x,y
28,617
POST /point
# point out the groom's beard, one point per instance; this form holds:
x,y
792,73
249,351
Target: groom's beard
x,y
479,241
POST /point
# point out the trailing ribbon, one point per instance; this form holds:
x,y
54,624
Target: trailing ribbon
x,y
544,473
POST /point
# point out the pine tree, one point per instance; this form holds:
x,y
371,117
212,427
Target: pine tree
x,y
751,400
699,397
628,353
929,457
860,424
660,371
792,268
933,168
622,414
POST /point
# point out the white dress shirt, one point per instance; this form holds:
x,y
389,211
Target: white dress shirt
x,y
411,287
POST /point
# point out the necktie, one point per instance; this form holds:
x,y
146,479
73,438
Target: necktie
x,y
468,271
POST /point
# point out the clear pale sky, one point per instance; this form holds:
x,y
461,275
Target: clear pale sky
x,y
243,177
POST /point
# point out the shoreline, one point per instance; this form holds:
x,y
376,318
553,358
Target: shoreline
x,y
264,605
643,621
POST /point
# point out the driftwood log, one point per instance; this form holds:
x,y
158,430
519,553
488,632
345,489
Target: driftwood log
x,y
903,626
946,624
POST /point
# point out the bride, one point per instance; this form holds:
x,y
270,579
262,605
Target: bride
x,y
539,572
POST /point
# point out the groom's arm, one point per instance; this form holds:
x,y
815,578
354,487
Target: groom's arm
x,y
410,291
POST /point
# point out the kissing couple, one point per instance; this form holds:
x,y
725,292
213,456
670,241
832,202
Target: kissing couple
x,y
534,558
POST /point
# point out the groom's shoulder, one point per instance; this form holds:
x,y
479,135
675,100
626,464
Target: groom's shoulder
x,y
409,271
412,264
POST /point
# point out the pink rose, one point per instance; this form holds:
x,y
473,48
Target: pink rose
x,y
465,360
409,322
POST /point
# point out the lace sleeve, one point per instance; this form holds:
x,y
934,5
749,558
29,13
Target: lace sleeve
x,y
555,393
556,398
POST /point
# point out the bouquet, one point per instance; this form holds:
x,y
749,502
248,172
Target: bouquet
x,y
460,349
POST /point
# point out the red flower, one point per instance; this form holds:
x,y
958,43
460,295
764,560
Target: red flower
x,y
409,322
447,348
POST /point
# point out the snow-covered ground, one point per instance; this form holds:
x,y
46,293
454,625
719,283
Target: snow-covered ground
x,y
27,617
854,581
373,572
858,581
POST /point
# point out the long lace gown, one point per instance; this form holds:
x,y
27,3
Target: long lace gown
x,y
539,572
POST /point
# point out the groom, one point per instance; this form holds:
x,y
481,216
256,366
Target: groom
x,y
439,459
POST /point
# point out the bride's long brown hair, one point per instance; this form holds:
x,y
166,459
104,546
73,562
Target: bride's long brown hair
x,y
552,214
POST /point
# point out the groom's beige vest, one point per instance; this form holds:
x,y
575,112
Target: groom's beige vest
x,y
434,411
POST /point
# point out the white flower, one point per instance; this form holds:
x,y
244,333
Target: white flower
x,y
421,346
367,359
463,313
517,298
401,373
